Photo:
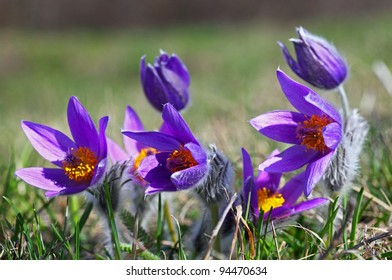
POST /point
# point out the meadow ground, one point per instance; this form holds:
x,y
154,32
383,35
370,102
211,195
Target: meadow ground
x,y
233,79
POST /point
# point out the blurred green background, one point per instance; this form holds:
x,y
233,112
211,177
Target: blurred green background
x,y
94,55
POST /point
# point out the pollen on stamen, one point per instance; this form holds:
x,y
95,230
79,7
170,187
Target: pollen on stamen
x,y
310,132
79,164
266,199
180,159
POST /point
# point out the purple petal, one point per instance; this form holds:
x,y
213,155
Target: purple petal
x,y
197,152
133,123
291,159
175,65
279,125
277,213
289,59
304,99
332,134
116,153
66,191
147,164
157,140
268,180
51,144
99,172
189,177
176,79
285,211
326,108
143,69
293,189
154,88
165,129
315,170
159,179
247,166
177,125
249,188
50,179
160,188
81,125
103,147
309,204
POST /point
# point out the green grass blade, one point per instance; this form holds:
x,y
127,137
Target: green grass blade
x,y
112,222
181,251
356,217
77,241
85,215
158,235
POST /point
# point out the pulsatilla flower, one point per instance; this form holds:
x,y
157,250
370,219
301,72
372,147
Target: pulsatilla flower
x,y
262,193
180,162
318,61
134,152
167,81
80,163
315,131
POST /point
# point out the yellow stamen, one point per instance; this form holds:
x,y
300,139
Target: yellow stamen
x,y
79,164
180,159
311,132
266,200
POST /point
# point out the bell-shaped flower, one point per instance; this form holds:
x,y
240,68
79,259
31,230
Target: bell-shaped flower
x,y
81,162
180,161
315,131
263,192
167,81
318,62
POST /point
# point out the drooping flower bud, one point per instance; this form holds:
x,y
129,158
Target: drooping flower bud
x,y
318,61
167,81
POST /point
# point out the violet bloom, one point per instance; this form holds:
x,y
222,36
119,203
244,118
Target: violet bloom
x,y
167,81
318,62
315,131
263,192
134,151
80,163
180,162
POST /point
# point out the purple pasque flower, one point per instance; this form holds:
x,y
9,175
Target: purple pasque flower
x,y
180,162
167,81
80,163
318,61
315,131
263,192
133,150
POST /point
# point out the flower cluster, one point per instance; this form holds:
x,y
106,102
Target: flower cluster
x,y
173,159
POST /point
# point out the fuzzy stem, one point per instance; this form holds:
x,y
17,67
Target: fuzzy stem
x,y
169,221
343,101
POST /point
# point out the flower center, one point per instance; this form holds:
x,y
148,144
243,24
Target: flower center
x,y
311,132
266,200
79,164
180,159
